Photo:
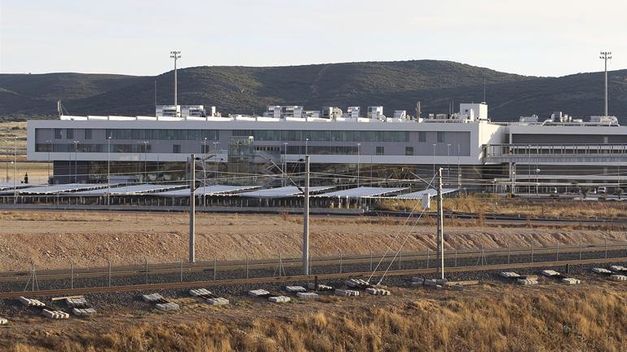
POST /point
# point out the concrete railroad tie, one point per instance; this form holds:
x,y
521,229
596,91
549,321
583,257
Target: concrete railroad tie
x,y
55,314
279,299
220,301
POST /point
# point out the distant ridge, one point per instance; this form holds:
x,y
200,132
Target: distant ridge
x,y
238,89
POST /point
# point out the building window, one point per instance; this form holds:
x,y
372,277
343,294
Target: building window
x,y
69,133
422,136
88,134
176,148
380,150
409,150
58,133
440,137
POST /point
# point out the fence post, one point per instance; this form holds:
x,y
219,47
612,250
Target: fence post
x,y
71,275
371,260
109,272
580,249
606,248
400,260
146,269
455,257
215,268
428,251
532,252
508,253
341,262
181,270
247,266
557,256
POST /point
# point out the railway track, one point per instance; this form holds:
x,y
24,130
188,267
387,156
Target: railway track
x,y
512,254
298,278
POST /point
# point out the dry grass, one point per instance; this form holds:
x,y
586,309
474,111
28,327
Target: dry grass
x,y
494,319
492,204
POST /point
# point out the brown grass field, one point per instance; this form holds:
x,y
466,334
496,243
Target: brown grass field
x,y
490,317
54,238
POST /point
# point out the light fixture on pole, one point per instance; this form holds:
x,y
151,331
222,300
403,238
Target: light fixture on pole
x,y
605,55
175,55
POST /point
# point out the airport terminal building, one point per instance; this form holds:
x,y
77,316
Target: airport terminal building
x,y
554,155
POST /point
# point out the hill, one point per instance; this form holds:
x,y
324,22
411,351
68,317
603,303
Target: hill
x,y
236,89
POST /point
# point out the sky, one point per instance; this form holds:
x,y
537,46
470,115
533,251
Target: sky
x,y
530,37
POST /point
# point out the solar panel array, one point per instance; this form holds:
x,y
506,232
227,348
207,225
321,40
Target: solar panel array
x,y
205,191
418,195
281,192
361,192
128,190
61,188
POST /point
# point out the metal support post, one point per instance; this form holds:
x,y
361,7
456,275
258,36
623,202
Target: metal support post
x,y
109,273
181,270
306,220
370,260
192,211
440,239
532,252
508,253
428,253
146,270
215,269
72,275
557,255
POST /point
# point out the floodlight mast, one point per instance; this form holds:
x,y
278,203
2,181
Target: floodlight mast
x,y
606,55
175,55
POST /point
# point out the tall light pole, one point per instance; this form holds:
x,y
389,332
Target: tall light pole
x,y
306,220
358,162
175,55
306,146
145,159
14,169
448,163
284,166
440,239
75,161
108,169
459,171
434,159
192,210
605,55
48,148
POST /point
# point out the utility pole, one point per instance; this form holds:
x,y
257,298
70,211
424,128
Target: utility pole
x,y
192,211
175,55
306,220
605,55
440,238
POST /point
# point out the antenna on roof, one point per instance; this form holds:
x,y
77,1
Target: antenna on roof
x,y
484,100
418,110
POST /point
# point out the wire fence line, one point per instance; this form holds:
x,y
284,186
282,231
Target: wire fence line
x,y
34,279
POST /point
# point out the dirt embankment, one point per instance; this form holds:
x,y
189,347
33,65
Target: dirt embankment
x,y
54,239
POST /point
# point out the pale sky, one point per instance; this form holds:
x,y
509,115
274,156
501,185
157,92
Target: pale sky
x,y
531,37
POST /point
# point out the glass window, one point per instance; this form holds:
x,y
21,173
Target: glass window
x,y
88,133
409,150
422,136
69,133
380,150
440,137
176,148
58,133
